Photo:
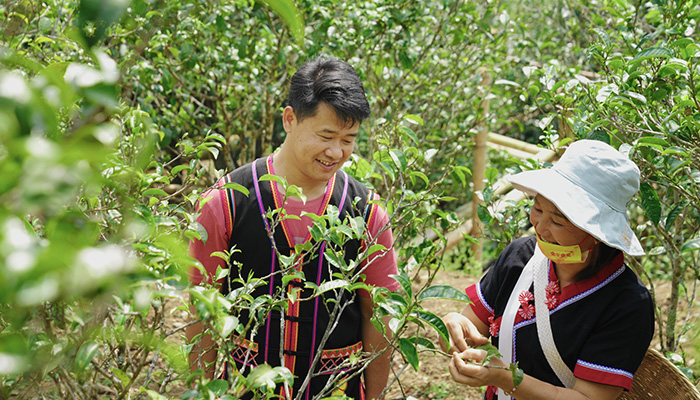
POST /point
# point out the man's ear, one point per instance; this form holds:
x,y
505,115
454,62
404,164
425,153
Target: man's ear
x,y
289,118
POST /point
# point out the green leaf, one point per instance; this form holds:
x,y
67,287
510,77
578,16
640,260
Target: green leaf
x,y
271,177
85,354
673,214
179,168
436,322
506,82
421,341
375,248
226,325
217,387
605,92
399,159
290,15
533,90
635,96
43,39
405,283
398,299
604,37
650,202
216,136
687,371
152,394
654,52
154,192
408,132
491,174
295,191
491,351
331,285
518,374
335,259
414,119
236,187
408,349
652,141
682,43
691,245
413,174
443,292
264,377
121,375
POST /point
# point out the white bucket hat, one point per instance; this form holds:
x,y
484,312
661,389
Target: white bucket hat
x,y
591,185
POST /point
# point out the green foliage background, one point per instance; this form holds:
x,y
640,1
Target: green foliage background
x,y
115,116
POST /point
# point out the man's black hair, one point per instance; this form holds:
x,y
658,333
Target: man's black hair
x,y
332,81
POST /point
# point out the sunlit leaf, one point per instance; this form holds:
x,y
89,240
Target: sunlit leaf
x,y
274,178
443,292
414,119
152,394
85,354
218,387
265,377
603,36
226,325
654,52
405,282
652,141
691,245
291,16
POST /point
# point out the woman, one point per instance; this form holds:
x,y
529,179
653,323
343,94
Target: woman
x,y
577,319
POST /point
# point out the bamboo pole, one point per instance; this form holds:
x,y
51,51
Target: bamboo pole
x,y
515,153
479,172
513,143
506,194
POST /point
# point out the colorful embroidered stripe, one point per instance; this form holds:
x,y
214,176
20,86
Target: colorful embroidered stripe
x,y
345,190
312,352
230,207
291,329
342,352
278,201
371,211
332,360
272,250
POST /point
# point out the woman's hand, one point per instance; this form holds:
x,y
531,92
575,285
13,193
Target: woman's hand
x,y
466,367
463,333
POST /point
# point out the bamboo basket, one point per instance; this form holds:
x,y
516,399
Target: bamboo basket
x,y
658,378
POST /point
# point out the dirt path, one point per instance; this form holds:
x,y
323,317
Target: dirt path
x,y
432,380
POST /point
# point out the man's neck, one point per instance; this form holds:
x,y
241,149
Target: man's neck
x,y
311,190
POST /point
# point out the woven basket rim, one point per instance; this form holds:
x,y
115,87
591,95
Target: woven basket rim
x,y
647,381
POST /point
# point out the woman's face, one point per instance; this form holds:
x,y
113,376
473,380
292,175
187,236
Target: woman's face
x,y
553,227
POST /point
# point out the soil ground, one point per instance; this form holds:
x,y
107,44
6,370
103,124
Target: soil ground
x,y
432,380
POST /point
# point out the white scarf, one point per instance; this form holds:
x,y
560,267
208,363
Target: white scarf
x,y
537,267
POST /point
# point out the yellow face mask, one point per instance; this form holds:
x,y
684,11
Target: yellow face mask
x,y
563,254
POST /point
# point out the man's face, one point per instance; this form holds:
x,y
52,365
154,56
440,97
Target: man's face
x,y
320,144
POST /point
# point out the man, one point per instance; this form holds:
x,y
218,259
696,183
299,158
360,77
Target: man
x,y
326,105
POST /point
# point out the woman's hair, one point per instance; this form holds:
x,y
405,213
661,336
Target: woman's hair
x,y
332,81
601,255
